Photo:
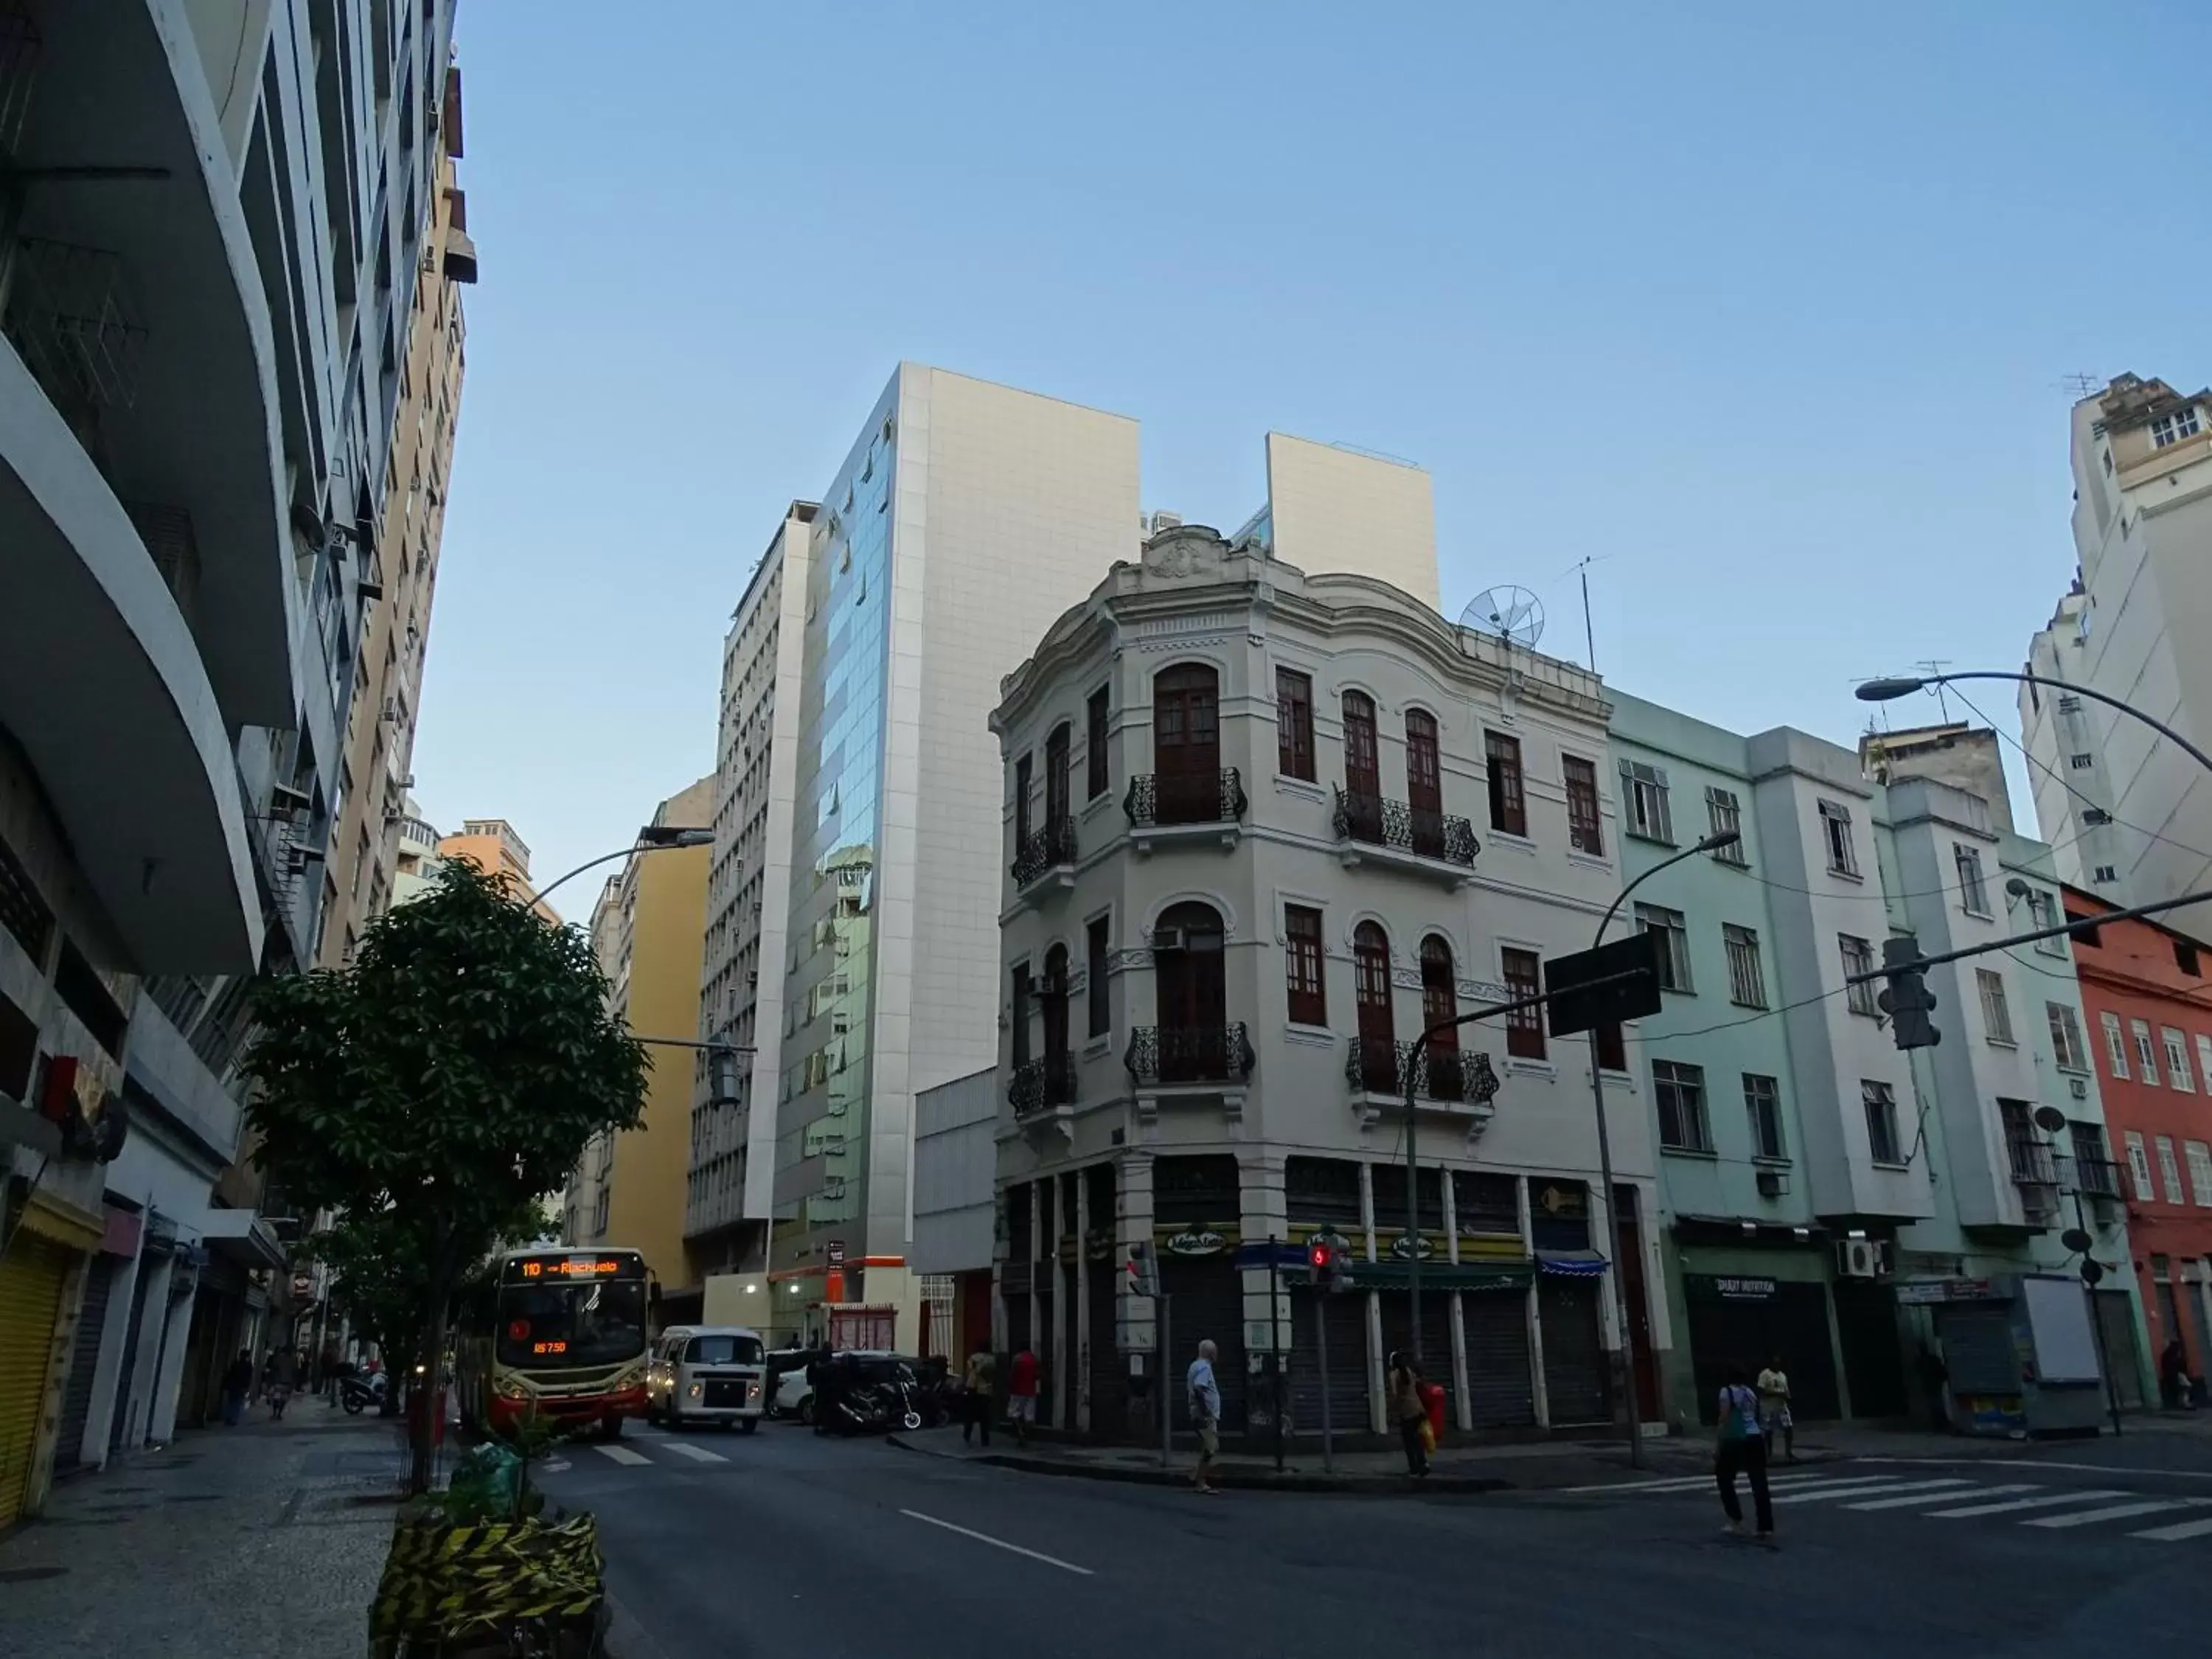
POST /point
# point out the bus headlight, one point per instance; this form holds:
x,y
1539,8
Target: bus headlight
x,y
693,1392
509,1388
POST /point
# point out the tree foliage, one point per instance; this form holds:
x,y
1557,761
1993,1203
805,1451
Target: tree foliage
x,y
434,1089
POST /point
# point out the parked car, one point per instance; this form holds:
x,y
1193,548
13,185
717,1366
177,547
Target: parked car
x,y
706,1373
787,1381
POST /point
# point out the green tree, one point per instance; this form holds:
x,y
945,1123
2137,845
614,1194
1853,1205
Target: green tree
x,y
440,1085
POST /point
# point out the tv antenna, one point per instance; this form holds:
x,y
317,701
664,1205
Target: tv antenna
x,y
1933,666
2081,386
1509,613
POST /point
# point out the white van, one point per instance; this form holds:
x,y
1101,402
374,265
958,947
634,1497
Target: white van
x,y
705,1373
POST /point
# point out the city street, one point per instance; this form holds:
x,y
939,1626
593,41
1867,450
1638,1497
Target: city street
x,y
783,1541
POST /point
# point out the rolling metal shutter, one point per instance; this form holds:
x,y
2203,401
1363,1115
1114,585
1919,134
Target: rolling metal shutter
x,y
30,1277
1048,1310
119,1421
1346,1314
1500,1389
1574,1351
84,1360
2115,1323
1109,1371
1208,1295
1977,1348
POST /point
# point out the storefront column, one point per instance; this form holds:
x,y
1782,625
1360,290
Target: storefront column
x,y
1377,1415
110,1387
1542,1396
174,1341
1263,1212
1464,1413
1080,1409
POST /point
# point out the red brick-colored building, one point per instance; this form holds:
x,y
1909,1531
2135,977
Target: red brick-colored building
x,y
2147,992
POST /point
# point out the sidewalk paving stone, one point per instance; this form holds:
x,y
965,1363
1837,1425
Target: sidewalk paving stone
x,y
264,1542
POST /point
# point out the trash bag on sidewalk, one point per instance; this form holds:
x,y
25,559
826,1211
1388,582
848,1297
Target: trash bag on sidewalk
x,y
487,1484
446,1587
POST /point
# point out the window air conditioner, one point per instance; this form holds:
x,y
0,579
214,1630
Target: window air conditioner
x,y
2078,1087
1861,1258
1772,1183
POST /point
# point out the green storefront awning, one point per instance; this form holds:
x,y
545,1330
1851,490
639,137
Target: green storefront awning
x,y
1444,1275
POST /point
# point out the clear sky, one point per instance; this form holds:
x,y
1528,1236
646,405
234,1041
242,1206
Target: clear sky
x,y
1767,308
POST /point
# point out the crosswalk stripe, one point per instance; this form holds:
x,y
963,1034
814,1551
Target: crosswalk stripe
x,y
1919,1497
2118,1512
2053,1501
1822,1494
696,1454
621,1454
1698,1483
2174,1534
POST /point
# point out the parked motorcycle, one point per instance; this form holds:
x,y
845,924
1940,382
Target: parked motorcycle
x,y
358,1394
866,1394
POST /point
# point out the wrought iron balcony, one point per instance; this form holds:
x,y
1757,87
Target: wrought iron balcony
x,y
1038,1083
1371,821
1183,1054
1160,800
1377,1066
2032,1164
1052,848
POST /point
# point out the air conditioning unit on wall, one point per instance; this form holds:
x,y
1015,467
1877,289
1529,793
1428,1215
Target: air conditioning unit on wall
x,y
2078,1087
1861,1258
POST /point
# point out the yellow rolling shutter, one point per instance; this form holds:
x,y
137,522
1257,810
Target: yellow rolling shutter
x,y
32,1275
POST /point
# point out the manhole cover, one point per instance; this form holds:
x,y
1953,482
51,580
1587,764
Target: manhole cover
x,y
26,1575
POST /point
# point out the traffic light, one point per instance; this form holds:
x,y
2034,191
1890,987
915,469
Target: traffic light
x,y
1908,1001
1340,1269
1317,1259
1144,1270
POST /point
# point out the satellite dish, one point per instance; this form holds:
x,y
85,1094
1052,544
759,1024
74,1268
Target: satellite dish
x,y
2077,1241
2050,1119
1512,614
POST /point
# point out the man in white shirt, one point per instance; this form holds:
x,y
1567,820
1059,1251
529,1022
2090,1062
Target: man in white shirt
x,y
1205,1395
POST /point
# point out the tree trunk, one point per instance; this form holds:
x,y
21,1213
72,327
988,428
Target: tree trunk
x,y
422,1427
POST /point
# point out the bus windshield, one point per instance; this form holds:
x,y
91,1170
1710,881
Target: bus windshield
x,y
599,1324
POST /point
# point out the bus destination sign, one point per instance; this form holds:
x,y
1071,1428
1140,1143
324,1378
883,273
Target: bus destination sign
x,y
557,1269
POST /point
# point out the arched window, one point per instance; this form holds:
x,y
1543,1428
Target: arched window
x,y
1378,1043
1424,789
1056,780
1187,743
1440,1002
1190,986
1362,771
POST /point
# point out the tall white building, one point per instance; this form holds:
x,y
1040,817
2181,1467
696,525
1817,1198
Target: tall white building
x,y
214,221
2129,815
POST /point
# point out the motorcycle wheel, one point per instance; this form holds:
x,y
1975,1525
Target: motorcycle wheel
x,y
353,1404
912,1421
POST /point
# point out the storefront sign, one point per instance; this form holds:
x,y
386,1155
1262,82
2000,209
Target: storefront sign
x,y
1406,1246
1194,1240
1744,1290
1926,1291
834,1252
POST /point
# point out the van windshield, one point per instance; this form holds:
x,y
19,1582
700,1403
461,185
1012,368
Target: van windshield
x,y
723,1350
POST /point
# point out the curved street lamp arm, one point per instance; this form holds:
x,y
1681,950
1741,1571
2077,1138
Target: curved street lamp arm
x,y
1885,690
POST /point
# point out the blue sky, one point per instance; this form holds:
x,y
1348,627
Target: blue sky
x,y
1768,309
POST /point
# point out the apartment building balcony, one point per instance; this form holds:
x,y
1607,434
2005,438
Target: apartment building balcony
x,y
1173,806
2035,1174
1047,854
1190,1062
1438,846
1459,1085
1041,1085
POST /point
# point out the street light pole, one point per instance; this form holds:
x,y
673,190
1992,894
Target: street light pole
x,y
652,838
1622,1311
1889,689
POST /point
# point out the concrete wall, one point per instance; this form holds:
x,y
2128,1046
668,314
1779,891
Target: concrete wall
x,y
955,1150
1336,510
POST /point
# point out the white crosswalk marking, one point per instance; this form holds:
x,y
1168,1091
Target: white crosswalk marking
x,y
2054,1501
1705,1483
1822,1494
696,1454
2118,1512
2174,1534
1915,1499
621,1454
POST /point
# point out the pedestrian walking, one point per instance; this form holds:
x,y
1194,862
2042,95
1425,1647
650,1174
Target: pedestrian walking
x,y
2174,1375
277,1382
237,1384
1742,1450
1774,1411
1203,1390
1022,1394
1410,1411
983,1372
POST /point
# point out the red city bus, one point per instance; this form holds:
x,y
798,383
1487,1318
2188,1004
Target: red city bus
x,y
559,1331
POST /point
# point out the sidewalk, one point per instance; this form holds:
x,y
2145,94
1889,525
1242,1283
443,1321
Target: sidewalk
x,y
1528,1466
260,1542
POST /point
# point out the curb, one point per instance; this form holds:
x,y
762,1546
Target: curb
x,y
1389,1486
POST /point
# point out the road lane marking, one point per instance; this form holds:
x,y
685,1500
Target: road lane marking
x,y
1937,1498
2118,1512
621,1454
1822,1494
2054,1501
2174,1534
1703,1483
696,1454
2044,1463
1000,1543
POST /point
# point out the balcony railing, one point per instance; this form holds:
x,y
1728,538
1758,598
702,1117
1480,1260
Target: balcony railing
x,y
1038,1083
1048,848
1178,1054
2032,1164
1377,1066
1159,800
1374,822
2098,1177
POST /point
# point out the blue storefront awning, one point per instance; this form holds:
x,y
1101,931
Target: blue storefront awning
x,y
1570,1264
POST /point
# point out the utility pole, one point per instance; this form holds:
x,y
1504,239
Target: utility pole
x,y
1275,1338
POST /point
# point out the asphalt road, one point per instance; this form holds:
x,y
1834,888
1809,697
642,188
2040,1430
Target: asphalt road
x,y
782,1543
